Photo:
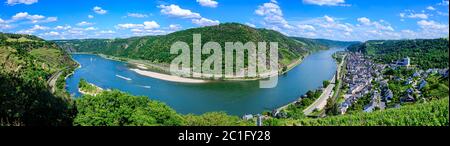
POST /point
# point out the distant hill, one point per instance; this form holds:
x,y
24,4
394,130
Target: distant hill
x,y
327,43
28,65
425,53
157,48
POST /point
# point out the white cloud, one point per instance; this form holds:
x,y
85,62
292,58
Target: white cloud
x,y
208,3
33,29
205,22
150,25
106,32
174,27
273,16
128,26
90,28
326,2
306,27
364,20
137,15
145,25
27,2
418,15
90,16
442,13
32,18
176,11
51,33
328,18
59,27
25,15
431,24
250,24
5,26
444,3
99,10
431,8
84,23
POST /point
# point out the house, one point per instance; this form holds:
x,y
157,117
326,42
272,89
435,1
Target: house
x,y
404,62
422,84
416,74
409,90
247,117
387,95
259,120
407,98
408,81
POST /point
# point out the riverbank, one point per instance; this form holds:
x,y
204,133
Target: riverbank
x,y
166,77
320,102
162,71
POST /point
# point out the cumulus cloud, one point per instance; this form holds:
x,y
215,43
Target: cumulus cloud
x,y
205,22
431,8
137,15
174,27
33,29
431,25
444,3
250,24
107,32
208,3
99,10
145,25
326,2
84,23
59,27
51,33
32,18
27,2
176,11
90,16
306,27
273,16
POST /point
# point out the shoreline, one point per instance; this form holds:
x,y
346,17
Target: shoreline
x,y
158,71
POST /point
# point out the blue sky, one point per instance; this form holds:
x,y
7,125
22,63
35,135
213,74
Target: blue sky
x,y
331,19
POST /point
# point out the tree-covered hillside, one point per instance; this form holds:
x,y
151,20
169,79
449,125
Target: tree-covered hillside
x,y
425,53
32,75
327,43
157,48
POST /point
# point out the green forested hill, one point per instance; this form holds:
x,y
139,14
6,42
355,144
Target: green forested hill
x,y
157,48
27,64
425,53
326,43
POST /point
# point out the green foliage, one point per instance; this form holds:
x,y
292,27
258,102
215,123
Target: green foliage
x,y
86,87
325,83
115,108
320,44
425,53
25,96
434,113
295,111
216,119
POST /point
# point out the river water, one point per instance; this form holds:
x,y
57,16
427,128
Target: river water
x,y
233,97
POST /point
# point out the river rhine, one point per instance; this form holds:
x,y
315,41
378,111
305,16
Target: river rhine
x,y
233,97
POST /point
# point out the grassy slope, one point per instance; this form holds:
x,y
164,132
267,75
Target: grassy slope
x,y
434,113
